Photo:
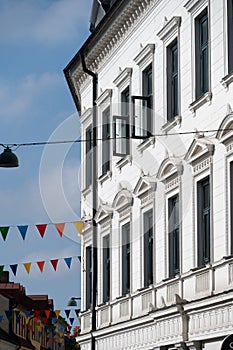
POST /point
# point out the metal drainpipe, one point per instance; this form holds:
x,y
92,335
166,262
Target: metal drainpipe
x,y
94,195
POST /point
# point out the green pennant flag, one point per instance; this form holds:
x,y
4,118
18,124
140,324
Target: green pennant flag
x,y
1,270
79,258
4,231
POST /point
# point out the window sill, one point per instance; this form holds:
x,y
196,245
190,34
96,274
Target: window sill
x,y
104,177
146,143
227,80
207,97
171,124
122,162
86,191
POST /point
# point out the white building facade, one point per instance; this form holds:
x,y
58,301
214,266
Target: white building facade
x,y
164,179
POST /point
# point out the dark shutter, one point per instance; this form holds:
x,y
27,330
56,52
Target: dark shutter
x,y
106,269
88,157
173,236
148,247
172,80
126,259
106,141
88,277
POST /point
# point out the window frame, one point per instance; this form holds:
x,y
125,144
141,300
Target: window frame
x,y
106,141
88,156
125,259
173,232
106,268
202,64
172,81
88,277
203,212
148,247
230,36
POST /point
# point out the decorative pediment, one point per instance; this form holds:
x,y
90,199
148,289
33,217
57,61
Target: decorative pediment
x,y
104,212
144,185
225,131
200,147
123,199
170,167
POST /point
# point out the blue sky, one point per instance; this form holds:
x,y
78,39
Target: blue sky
x,y
37,39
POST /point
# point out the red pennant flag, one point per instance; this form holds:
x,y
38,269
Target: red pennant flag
x,y
47,313
54,263
41,265
41,228
60,228
37,313
31,327
45,319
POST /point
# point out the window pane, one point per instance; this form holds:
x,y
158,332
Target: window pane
x,y
88,277
172,80
106,141
148,247
88,157
125,259
106,269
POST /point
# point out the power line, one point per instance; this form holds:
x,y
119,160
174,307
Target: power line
x,y
43,143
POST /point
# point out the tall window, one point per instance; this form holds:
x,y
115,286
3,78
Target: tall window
x,y
88,277
172,80
203,221
202,54
88,157
126,259
230,34
231,207
147,91
148,247
106,269
174,236
106,141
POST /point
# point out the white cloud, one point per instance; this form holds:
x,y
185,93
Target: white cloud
x,y
43,21
17,99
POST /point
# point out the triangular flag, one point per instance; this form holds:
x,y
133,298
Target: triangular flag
x,y
37,313
57,312
71,319
14,268
45,320
17,312
68,261
1,318
23,230
79,320
53,334
47,313
27,266
54,320
40,333
77,311
8,314
60,228
4,231
41,228
1,269
67,313
79,258
79,226
27,313
41,265
62,328
18,319
54,263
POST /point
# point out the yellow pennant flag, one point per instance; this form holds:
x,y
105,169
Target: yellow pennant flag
x,y
27,266
57,312
79,226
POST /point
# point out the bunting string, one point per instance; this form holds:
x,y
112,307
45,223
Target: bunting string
x,y
41,229
40,264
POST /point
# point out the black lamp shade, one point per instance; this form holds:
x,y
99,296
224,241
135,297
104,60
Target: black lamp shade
x,y
73,302
8,159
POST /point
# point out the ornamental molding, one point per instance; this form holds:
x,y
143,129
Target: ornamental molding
x,y
170,167
86,115
225,131
104,97
170,29
122,200
194,6
200,147
124,76
113,36
144,185
104,212
145,55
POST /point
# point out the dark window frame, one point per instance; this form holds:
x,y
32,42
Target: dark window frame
x,y
231,207
148,240
106,269
106,137
202,53
88,154
174,235
172,80
88,277
126,253
203,221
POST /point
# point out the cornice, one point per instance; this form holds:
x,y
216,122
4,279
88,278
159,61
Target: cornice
x,y
125,74
146,52
169,28
106,94
122,25
193,6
